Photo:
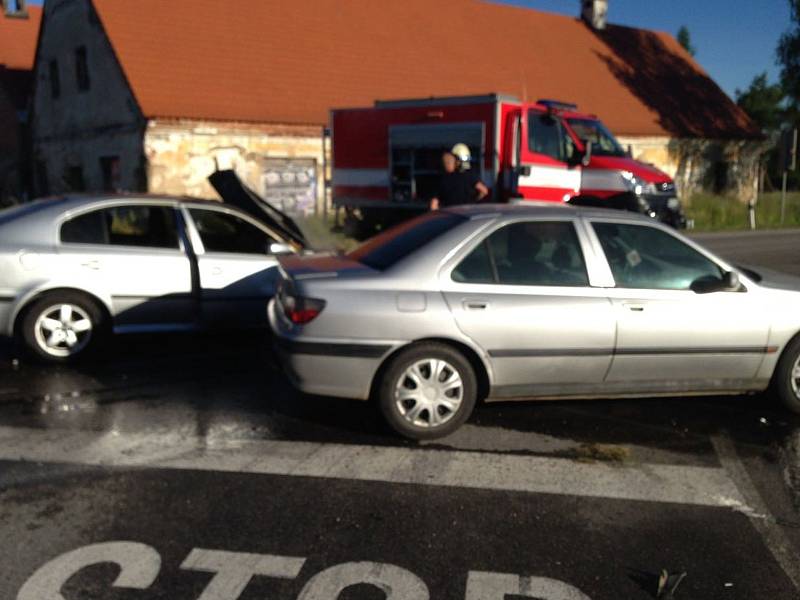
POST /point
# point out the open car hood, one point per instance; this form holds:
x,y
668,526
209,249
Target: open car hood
x,y
234,192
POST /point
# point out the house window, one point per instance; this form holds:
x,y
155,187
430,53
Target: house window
x,y
74,180
81,68
42,180
55,79
109,165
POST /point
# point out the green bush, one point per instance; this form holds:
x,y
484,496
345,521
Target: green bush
x,y
713,213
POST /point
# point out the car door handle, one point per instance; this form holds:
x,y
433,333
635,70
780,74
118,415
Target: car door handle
x,y
91,264
633,307
476,304
216,270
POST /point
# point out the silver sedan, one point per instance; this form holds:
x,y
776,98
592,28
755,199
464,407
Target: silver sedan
x,y
529,302
77,267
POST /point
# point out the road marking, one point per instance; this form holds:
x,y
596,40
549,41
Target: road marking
x,y
702,486
756,509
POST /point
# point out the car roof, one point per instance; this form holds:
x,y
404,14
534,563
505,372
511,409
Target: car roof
x,y
54,205
533,208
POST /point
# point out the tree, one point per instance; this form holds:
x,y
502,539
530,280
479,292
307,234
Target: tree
x,y
763,102
685,39
789,59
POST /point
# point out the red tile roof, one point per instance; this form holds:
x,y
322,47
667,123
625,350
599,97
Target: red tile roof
x,y
18,37
286,61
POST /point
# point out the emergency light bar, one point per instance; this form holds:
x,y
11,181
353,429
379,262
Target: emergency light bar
x,y
557,105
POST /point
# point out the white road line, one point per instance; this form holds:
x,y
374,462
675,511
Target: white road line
x,y
703,486
760,516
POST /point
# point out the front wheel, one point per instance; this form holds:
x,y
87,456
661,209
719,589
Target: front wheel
x,y
61,327
427,391
787,377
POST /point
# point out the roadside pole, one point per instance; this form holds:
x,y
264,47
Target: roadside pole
x,y
751,206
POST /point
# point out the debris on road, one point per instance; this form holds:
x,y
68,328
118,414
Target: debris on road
x,y
668,584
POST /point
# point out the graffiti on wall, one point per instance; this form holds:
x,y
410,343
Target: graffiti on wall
x,y
290,184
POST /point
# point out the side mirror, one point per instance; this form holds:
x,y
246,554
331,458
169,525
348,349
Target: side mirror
x,y
730,281
279,248
710,284
587,155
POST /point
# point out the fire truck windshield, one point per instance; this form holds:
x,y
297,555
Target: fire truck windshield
x,y
603,141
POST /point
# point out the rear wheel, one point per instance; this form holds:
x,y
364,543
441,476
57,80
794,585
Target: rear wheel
x,y
787,377
62,326
427,391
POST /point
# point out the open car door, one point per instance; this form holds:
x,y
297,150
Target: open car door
x,y
234,192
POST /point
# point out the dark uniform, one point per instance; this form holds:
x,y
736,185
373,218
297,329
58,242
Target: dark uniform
x,y
458,188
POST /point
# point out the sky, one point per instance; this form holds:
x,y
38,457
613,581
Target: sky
x,y
735,39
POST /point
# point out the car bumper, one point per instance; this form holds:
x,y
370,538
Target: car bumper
x,y
337,368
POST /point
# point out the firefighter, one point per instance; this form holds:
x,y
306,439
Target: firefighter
x,y
458,184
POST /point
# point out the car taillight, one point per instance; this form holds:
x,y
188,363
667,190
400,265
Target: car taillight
x,y
300,310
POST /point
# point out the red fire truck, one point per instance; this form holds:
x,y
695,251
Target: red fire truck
x,y
387,158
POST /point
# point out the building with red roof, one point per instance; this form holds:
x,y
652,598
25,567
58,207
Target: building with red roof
x,y
154,95
19,30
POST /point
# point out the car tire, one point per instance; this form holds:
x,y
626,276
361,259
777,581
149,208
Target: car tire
x,y
62,327
786,381
427,391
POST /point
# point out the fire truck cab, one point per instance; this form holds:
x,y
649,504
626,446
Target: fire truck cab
x,y
387,158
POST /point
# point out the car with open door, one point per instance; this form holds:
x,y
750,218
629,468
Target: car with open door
x,y
535,301
77,267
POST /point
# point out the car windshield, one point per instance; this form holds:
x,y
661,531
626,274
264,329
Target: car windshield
x,y
603,141
393,245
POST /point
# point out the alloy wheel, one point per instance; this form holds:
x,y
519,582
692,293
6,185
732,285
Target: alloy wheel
x,y
63,330
795,378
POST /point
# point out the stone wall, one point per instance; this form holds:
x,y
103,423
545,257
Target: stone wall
x,y
722,167
283,163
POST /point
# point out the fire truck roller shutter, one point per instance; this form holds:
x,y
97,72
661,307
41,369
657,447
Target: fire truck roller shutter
x,y
415,155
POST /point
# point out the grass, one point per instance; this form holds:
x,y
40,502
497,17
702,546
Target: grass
x,y
710,213
717,213
319,232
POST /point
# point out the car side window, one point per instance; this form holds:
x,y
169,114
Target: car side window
x,y
138,226
542,253
223,232
645,257
546,136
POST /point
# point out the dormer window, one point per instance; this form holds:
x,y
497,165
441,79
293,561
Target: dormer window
x,y
15,8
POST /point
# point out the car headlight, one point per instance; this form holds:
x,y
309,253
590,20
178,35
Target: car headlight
x,y
637,185
673,204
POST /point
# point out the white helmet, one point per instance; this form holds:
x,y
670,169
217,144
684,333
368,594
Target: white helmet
x,y
462,153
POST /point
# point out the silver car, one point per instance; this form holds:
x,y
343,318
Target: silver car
x,y
538,301
74,268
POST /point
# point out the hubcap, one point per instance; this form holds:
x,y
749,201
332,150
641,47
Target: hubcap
x,y
429,393
63,330
795,378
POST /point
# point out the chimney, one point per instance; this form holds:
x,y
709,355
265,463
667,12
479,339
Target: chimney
x,y
15,8
595,13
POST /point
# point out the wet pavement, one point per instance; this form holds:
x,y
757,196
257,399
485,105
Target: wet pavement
x,y
191,463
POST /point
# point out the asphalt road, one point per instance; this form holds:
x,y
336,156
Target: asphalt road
x,y
190,463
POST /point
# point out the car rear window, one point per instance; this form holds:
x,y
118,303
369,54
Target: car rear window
x,y
390,247
21,210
